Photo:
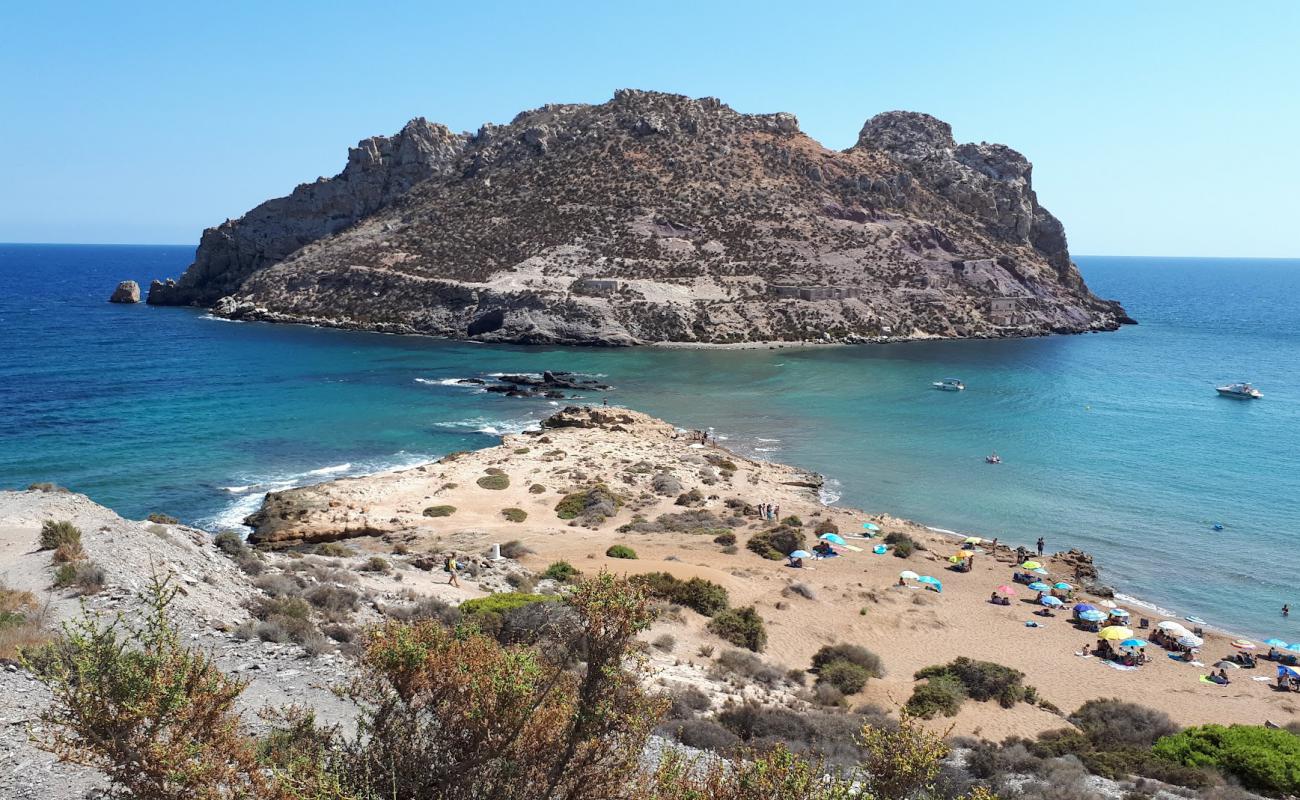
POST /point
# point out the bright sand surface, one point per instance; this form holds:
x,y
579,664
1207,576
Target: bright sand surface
x,y
855,596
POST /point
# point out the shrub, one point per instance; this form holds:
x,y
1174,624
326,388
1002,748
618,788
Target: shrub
x,y
561,571
84,576
592,504
686,701
851,653
697,594
1263,759
495,481
514,514
620,551
332,550
742,627
826,526
67,552
777,543
439,511
515,549
21,622
745,665
665,642
279,585
375,564
983,680
163,519
1114,722
792,522
501,602
54,534
940,694
727,538
803,590
904,549
230,543
45,487
846,676
537,488
333,600
705,734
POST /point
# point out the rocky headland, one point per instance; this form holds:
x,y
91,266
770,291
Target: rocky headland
x,y
656,218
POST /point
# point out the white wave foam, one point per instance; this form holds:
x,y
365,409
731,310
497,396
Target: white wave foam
x,y
218,319
1128,600
492,427
446,382
330,470
761,439
830,492
767,449
237,489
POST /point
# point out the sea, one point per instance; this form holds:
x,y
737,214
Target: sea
x,y
1114,442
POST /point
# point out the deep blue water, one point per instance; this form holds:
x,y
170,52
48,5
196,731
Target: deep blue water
x,y
1115,442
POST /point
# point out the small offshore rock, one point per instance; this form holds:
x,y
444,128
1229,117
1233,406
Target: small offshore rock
x,y
126,292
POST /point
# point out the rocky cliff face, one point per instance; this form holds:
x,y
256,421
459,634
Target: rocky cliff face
x,y
656,217
379,170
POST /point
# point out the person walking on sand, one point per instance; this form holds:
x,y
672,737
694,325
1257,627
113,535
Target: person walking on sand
x,y
1041,545
451,566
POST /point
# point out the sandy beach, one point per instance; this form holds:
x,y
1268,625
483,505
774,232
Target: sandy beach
x,y
854,598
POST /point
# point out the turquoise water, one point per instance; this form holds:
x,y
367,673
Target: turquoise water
x,y
1115,442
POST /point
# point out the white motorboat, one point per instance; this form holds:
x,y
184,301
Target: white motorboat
x,y
949,385
1242,390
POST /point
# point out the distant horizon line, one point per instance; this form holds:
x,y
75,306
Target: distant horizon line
x,y
1076,255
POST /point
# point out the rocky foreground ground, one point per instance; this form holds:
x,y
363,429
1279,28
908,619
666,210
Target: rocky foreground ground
x,y
356,551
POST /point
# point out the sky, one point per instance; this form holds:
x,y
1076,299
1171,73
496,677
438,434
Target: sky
x,y
1155,128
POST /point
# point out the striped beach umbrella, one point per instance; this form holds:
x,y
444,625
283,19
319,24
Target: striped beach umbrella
x,y
1242,644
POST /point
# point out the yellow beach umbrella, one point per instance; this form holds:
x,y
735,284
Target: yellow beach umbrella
x,y
965,553
1031,565
1115,633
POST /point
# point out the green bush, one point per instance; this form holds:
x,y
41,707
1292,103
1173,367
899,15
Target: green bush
x,y
777,543
620,551
561,571
85,576
501,602
494,481
983,680
792,522
514,514
1113,722
375,564
851,653
903,549
333,550
595,500
163,519
742,627
230,543
1263,759
826,526
726,539
845,676
537,488
58,533
940,694
439,511
697,594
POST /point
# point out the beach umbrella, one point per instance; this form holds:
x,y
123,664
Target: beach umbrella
x,y
801,554
1242,644
1063,586
1115,633
1226,664
935,582
1275,642
1041,571
1039,586
955,559
1084,607
908,575
1172,625
973,540
1118,612
1048,600
870,526
833,538
1191,640
964,553
1293,647
1288,672
1108,603
1134,643
1091,616
1031,565
1006,590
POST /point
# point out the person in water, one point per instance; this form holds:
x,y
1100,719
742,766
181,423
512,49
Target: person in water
x,y
1286,610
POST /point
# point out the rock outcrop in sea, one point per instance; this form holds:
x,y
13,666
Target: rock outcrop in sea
x,y
656,218
126,292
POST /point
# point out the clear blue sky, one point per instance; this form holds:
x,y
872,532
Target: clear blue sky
x,y
1155,128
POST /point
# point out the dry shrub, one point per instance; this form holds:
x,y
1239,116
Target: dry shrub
x,y
515,549
55,534
22,622
68,552
748,668
86,577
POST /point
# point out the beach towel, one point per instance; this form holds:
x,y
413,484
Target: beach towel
x,y
1119,667
851,548
1204,679
1082,654
1261,678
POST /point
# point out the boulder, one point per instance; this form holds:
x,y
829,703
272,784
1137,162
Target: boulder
x,y
126,292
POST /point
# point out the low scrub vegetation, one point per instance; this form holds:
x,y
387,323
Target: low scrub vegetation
x,y
61,533
777,543
980,680
439,511
514,514
846,667
561,571
22,622
699,595
742,627
620,551
85,577
496,481
163,519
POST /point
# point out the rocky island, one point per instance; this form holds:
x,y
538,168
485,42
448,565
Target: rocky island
x,y
656,218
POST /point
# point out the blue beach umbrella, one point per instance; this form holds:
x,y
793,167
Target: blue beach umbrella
x,y
935,582
1293,647
1275,643
801,554
1092,616
834,538
1288,672
1118,612
1041,571
1065,587
1048,600
1039,586
1134,643
871,526
1084,607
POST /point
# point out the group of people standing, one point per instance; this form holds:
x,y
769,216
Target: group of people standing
x,y
769,511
